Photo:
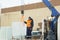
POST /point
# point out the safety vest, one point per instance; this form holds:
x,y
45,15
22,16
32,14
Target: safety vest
x,y
29,23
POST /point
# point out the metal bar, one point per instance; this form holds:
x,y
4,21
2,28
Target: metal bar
x,y
51,7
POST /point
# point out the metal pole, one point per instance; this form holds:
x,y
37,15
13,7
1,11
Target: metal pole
x,y
43,29
22,14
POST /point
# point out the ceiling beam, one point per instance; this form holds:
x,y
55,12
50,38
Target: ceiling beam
x,y
30,6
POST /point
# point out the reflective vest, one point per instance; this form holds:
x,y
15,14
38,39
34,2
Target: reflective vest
x,y
28,23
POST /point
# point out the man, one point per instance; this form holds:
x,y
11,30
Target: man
x,y
52,34
29,24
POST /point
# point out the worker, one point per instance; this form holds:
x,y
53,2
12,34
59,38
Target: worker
x,y
29,24
53,23
52,31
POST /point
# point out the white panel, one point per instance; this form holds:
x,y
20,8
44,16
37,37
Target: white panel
x,y
5,33
31,1
11,3
18,29
59,28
